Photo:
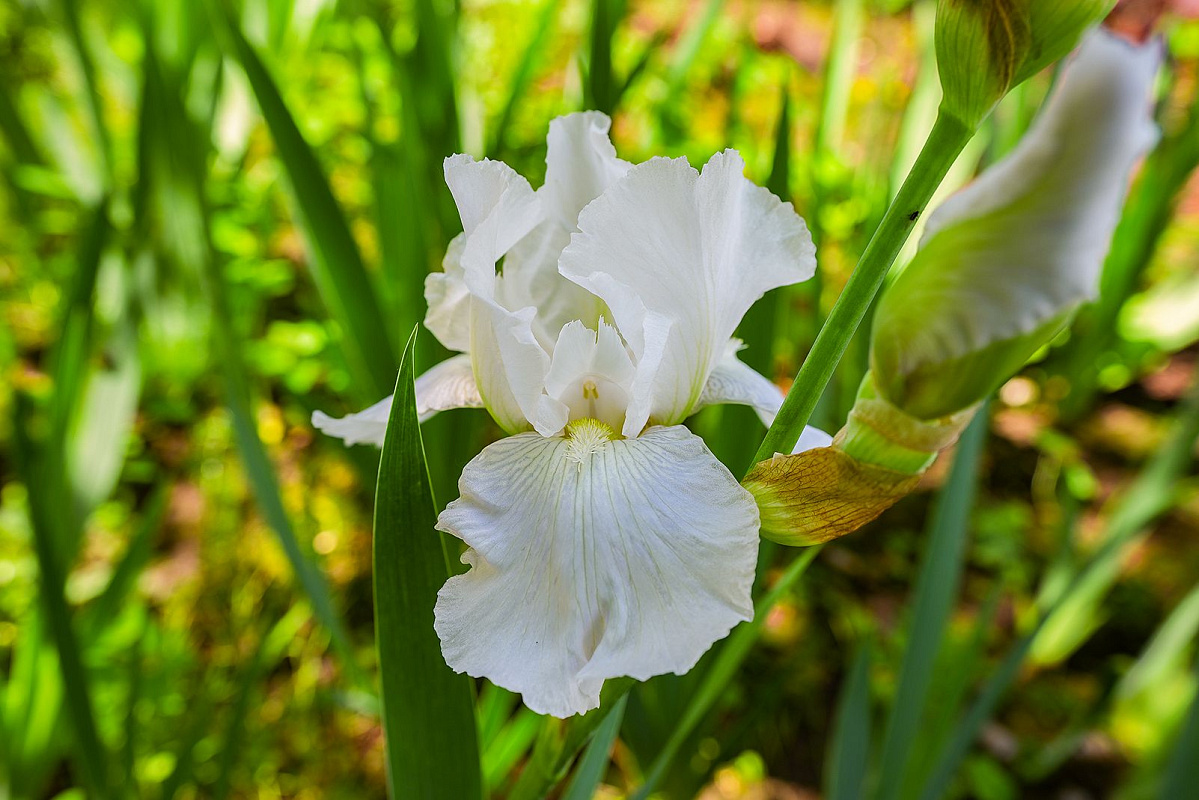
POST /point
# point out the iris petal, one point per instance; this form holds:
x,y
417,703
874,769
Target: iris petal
x,y
594,559
450,384
677,252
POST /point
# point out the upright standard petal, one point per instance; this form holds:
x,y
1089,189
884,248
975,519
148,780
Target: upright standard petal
x,y
580,163
594,558
1014,253
450,384
590,377
498,209
679,257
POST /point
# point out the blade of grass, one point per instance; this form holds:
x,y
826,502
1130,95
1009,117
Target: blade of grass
x,y
264,483
16,133
89,754
134,681
428,716
594,761
933,597
187,162
1166,650
88,69
839,75
68,363
651,48
336,264
559,741
133,561
600,87
493,709
506,748
849,749
1182,773
267,652
689,48
1178,449
724,667
1151,494
523,76
958,666
200,713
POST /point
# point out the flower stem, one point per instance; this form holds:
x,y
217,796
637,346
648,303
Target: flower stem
x,y
945,141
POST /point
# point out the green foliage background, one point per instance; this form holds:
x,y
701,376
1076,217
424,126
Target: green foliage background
x,y
217,218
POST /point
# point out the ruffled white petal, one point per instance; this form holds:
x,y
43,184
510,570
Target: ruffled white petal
x,y
1028,238
368,426
592,559
679,257
450,384
580,164
732,381
498,209
531,280
448,299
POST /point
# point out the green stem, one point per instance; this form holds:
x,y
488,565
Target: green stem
x,y
945,141
559,742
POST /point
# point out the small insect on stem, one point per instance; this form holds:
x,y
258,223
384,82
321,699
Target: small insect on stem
x,y
915,215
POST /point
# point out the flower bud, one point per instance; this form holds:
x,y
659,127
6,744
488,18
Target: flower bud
x,y
986,47
1005,263
981,45
1001,268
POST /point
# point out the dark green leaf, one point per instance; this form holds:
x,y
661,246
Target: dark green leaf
x,y
336,264
428,716
849,750
1182,773
594,761
936,588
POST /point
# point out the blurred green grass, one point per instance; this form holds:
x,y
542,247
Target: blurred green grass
x,y
164,409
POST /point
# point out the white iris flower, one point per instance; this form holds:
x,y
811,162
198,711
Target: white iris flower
x,y
594,315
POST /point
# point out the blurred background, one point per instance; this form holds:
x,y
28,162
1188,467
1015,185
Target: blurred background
x,y
217,217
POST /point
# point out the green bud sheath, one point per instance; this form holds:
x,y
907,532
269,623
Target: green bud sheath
x,y
1055,27
986,47
877,458
981,46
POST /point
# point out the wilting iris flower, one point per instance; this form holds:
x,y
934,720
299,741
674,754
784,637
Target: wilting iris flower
x,y
594,315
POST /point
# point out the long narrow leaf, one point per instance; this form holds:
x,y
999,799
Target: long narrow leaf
x,y
428,717
90,754
1174,456
1151,494
523,75
936,587
595,758
336,264
1182,773
849,751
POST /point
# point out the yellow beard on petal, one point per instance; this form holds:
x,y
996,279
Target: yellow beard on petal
x,y
585,437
